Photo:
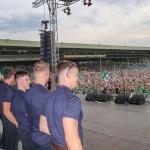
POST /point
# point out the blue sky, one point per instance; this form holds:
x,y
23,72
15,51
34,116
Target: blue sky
x,y
106,22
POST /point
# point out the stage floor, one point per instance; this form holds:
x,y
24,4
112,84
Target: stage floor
x,y
110,126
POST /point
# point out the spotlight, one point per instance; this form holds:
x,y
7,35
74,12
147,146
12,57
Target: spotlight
x,y
87,2
67,11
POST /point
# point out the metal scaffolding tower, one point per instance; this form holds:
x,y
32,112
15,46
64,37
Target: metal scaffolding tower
x,y
52,7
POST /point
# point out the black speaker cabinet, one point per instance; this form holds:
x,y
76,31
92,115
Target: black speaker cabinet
x,y
137,99
90,97
122,98
103,97
96,95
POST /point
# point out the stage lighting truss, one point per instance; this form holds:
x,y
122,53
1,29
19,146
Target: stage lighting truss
x,y
67,2
67,10
59,3
53,5
87,2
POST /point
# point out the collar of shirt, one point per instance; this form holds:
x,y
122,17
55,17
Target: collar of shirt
x,y
65,87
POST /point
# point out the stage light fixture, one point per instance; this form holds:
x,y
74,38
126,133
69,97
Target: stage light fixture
x,y
67,10
87,2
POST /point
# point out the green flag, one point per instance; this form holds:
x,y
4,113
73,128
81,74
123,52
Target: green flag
x,y
105,75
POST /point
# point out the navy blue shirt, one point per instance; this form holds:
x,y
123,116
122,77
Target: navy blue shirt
x,y
6,93
62,103
35,99
19,111
2,87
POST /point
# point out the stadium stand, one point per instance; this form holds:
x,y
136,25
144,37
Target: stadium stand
x,y
126,67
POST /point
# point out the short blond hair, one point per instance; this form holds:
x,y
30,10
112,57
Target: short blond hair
x,y
64,65
40,66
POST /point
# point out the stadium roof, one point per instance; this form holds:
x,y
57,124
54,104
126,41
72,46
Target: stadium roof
x,y
17,43
7,42
17,50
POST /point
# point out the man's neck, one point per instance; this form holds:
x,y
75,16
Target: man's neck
x,y
65,84
40,82
8,82
21,88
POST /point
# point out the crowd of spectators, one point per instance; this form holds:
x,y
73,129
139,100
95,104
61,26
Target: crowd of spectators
x,y
120,80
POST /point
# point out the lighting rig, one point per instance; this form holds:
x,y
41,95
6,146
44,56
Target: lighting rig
x,y
87,2
53,5
67,10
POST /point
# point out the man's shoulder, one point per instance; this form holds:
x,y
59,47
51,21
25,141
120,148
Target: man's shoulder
x,y
73,96
13,88
36,88
2,85
73,100
8,88
1,82
33,90
48,95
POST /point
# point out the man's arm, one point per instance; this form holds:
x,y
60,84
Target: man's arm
x,y
71,134
8,114
43,125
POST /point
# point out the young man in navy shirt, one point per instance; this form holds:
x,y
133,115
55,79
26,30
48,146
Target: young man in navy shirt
x,y
9,121
62,112
22,80
35,98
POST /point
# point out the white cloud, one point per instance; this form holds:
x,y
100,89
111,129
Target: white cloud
x,y
116,22
26,35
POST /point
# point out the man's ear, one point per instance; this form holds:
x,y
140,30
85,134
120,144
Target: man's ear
x,y
68,75
12,77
